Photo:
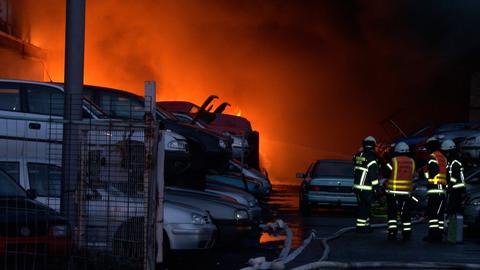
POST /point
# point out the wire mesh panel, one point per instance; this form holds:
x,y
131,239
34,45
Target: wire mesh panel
x,y
112,195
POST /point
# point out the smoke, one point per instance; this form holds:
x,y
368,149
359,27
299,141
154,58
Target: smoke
x,y
314,77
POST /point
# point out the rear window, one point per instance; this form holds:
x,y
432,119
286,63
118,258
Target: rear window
x,y
10,100
332,169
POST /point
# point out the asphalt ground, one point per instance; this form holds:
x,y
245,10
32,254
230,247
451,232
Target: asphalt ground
x,y
350,247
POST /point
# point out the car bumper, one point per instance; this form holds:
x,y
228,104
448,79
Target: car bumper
x,y
255,214
190,236
38,246
330,198
471,215
176,162
229,230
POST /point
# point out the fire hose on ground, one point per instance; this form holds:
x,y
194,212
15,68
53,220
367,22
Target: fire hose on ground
x,y
286,256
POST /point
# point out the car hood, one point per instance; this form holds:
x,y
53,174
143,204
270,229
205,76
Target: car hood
x,y
218,209
23,209
332,181
473,190
177,212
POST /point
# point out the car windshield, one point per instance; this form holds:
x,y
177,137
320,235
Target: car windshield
x,y
332,169
9,187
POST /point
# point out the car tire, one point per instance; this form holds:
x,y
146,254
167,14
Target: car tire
x,y
305,209
128,239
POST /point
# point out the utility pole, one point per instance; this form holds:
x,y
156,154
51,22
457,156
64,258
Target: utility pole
x,y
74,65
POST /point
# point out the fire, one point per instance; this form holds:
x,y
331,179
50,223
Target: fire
x,y
250,59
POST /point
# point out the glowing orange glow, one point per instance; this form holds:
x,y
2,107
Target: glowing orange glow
x,y
280,73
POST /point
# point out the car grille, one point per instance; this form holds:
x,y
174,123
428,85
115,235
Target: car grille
x,y
23,230
333,189
29,248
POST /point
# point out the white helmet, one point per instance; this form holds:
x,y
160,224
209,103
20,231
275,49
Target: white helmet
x,y
369,142
402,147
447,145
370,139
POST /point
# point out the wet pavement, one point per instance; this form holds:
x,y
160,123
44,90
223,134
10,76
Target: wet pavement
x,y
350,247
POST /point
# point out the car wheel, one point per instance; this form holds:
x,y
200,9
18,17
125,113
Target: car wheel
x,y
305,209
128,239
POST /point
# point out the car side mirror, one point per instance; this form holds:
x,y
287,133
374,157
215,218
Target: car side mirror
x,y
301,175
32,194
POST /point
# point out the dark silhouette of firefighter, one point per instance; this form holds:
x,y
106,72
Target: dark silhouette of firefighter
x,y
436,174
401,170
365,174
455,178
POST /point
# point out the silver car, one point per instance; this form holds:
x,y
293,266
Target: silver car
x,y
472,205
231,218
327,182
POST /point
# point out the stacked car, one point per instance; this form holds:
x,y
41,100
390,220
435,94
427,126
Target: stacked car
x,y
210,199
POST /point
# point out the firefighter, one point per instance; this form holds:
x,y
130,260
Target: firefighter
x,y
456,180
398,191
365,176
436,173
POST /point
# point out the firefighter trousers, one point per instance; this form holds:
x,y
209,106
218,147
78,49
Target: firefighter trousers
x,y
364,200
435,214
399,206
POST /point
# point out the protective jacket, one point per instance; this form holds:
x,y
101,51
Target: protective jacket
x,y
402,169
436,173
455,176
365,172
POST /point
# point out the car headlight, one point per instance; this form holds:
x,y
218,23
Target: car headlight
x,y
222,144
60,230
252,203
241,215
476,202
199,219
177,145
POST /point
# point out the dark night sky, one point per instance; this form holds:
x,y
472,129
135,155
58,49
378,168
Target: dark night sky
x,y
314,77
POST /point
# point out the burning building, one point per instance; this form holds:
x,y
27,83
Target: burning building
x,y
19,59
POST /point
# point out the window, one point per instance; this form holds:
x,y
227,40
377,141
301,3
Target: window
x,y
332,169
44,100
122,107
10,100
9,188
45,179
12,168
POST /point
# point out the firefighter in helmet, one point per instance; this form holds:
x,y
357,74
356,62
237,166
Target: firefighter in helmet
x,y
365,174
401,169
455,178
436,174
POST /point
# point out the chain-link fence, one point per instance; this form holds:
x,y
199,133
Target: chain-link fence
x,y
111,197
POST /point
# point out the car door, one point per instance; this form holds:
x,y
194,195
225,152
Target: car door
x,y
12,120
44,109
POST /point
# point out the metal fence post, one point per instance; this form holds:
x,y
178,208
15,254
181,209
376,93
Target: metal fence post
x,y
74,63
153,176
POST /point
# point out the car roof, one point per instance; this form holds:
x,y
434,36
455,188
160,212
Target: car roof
x,y
339,161
49,84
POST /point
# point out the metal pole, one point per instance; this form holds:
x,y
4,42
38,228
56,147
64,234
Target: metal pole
x,y
74,61
153,179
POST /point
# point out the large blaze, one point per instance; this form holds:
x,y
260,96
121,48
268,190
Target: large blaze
x,y
309,75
